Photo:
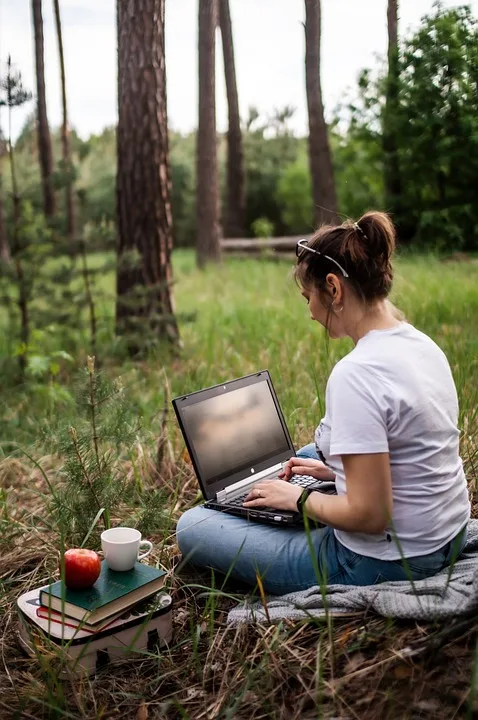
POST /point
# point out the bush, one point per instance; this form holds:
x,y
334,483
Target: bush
x,y
262,228
294,192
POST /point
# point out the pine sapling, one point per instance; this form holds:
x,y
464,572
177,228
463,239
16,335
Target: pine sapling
x,y
97,488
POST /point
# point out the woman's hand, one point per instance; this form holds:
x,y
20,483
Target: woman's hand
x,y
274,493
306,466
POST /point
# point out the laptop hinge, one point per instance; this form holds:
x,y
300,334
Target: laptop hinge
x,y
239,488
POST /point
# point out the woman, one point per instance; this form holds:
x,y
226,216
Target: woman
x,y
389,438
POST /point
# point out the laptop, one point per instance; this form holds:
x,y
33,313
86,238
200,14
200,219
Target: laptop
x,y
236,435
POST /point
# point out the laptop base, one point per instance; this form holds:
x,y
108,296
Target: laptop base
x,y
272,516
266,515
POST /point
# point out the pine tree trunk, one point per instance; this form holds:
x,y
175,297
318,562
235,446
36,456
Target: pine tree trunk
x,y
320,158
144,218
207,192
44,140
236,201
22,285
390,144
65,134
4,247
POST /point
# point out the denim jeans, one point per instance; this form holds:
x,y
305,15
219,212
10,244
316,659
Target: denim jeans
x,y
308,451
290,559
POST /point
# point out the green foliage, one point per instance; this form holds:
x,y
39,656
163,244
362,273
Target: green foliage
x,y
183,175
97,177
435,122
58,293
294,192
47,366
358,161
269,146
20,279
438,129
262,228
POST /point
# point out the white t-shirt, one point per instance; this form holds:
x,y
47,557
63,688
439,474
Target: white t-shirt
x,y
395,393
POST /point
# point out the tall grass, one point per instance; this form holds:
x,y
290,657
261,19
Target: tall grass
x,y
247,315
250,316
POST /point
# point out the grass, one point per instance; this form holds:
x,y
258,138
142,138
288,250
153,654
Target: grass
x,y
239,318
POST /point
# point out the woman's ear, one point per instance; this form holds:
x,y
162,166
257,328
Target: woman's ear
x,y
334,288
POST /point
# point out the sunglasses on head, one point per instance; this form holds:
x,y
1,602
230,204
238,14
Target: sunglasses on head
x,y
303,245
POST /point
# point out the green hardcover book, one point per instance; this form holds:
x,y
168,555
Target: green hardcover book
x,y
113,592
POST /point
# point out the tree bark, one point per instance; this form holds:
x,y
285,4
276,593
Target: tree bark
x,y
392,22
16,248
390,144
236,199
65,134
144,218
44,140
207,192
4,247
320,158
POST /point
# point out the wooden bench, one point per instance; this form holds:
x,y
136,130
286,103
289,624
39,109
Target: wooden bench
x,y
270,248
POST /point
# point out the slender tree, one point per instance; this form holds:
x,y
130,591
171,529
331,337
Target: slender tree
x,y
390,144
320,158
4,247
14,95
236,200
44,140
144,218
65,133
207,193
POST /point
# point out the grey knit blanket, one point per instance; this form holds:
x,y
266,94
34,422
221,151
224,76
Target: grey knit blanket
x,y
453,591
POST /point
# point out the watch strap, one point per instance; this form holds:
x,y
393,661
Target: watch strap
x,y
302,498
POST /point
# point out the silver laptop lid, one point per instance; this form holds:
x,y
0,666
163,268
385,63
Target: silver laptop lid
x,y
233,431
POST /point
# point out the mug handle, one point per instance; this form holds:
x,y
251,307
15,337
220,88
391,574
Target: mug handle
x,y
150,547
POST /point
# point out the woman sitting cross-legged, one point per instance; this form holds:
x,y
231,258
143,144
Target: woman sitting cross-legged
x,y
389,438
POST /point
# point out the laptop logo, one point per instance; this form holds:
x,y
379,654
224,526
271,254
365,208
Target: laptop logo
x,y
252,470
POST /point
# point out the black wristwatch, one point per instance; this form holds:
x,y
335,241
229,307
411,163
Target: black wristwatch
x,y
302,498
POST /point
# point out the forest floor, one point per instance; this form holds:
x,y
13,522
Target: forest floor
x,y
244,316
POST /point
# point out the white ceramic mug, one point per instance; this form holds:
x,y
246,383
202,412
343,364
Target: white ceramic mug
x,y
121,546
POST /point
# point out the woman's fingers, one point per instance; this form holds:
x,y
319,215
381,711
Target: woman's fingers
x,y
302,466
255,496
307,470
255,492
253,502
311,462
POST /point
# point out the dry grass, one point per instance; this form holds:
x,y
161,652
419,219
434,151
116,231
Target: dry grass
x,y
365,667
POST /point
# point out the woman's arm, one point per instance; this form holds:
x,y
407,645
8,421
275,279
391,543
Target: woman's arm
x,y
367,506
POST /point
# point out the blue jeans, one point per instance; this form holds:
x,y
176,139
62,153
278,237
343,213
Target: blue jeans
x,y
308,451
290,559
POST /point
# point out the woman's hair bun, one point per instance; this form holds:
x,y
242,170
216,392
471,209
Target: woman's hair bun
x,y
377,233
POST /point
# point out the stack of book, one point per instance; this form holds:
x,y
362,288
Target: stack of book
x,y
124,612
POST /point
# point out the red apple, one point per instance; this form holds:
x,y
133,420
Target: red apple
x,y
82,568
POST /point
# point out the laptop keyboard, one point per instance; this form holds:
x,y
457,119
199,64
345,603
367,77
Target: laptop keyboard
x,y
302,480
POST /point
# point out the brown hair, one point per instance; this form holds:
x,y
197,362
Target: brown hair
x,y
363,249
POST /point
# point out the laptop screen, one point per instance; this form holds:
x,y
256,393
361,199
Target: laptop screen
x,y
234,431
